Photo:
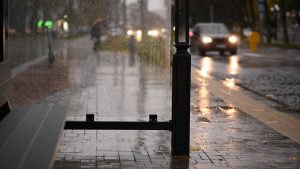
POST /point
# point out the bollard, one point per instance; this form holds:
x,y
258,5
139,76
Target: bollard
x,y
254,39
181,101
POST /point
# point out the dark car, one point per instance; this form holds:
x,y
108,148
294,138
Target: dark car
x,y
213,37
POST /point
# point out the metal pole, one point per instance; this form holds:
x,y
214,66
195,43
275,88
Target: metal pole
x,y
181,84
4,55
284,21
143,8
124,17
51,55
117,125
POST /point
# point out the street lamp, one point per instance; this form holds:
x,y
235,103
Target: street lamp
x,y
182,22
181,81
48,25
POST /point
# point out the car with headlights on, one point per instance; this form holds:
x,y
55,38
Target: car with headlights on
x,y
213,37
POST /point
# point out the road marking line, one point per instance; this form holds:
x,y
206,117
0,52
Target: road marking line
x,y
279,121
256,55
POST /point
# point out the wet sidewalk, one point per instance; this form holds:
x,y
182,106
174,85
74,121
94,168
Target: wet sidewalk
x,y
108,85
271,53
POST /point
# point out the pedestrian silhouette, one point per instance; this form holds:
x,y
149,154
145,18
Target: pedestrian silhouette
x,y
96,33
132,49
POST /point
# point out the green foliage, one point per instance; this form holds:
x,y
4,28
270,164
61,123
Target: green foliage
x,y
115,43
150,49
153,50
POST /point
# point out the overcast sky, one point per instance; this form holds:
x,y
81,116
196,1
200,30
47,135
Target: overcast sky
x,y
153,5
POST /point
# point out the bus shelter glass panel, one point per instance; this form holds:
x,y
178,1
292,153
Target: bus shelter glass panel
x,y
110,58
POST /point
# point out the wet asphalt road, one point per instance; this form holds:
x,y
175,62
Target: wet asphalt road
x,y
271,74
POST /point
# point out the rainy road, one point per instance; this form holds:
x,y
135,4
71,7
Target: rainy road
x,y
264,86
272,75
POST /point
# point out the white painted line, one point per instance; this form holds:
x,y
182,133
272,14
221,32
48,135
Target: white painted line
x,y
256,55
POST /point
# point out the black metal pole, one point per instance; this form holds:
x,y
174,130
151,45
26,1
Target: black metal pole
x,y
4,55
181,84
143,6
116,125
51,55
124,17
4,108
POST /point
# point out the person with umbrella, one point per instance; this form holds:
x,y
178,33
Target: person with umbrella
x,y
96,33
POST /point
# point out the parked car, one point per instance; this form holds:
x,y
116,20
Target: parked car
x,y
213,37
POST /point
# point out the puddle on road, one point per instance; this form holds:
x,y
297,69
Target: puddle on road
x,y
206,106
202,119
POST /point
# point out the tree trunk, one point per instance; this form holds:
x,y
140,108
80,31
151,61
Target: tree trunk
x,y
143,9
33,22
283,21
267,23
253,19
124,17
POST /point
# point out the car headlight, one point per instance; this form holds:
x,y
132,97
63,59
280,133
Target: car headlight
x,y
129,32
153,33
232,39
206,39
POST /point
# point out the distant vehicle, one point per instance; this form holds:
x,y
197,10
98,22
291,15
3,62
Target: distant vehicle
x,y
213,37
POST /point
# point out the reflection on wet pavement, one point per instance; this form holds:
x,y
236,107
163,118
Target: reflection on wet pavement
x,y
88,79
26,48
233,65
114,89
44,80
222,136
228,137
206,66
277,84
231,83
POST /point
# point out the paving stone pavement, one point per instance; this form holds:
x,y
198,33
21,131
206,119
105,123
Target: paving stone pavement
x,y
106,84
